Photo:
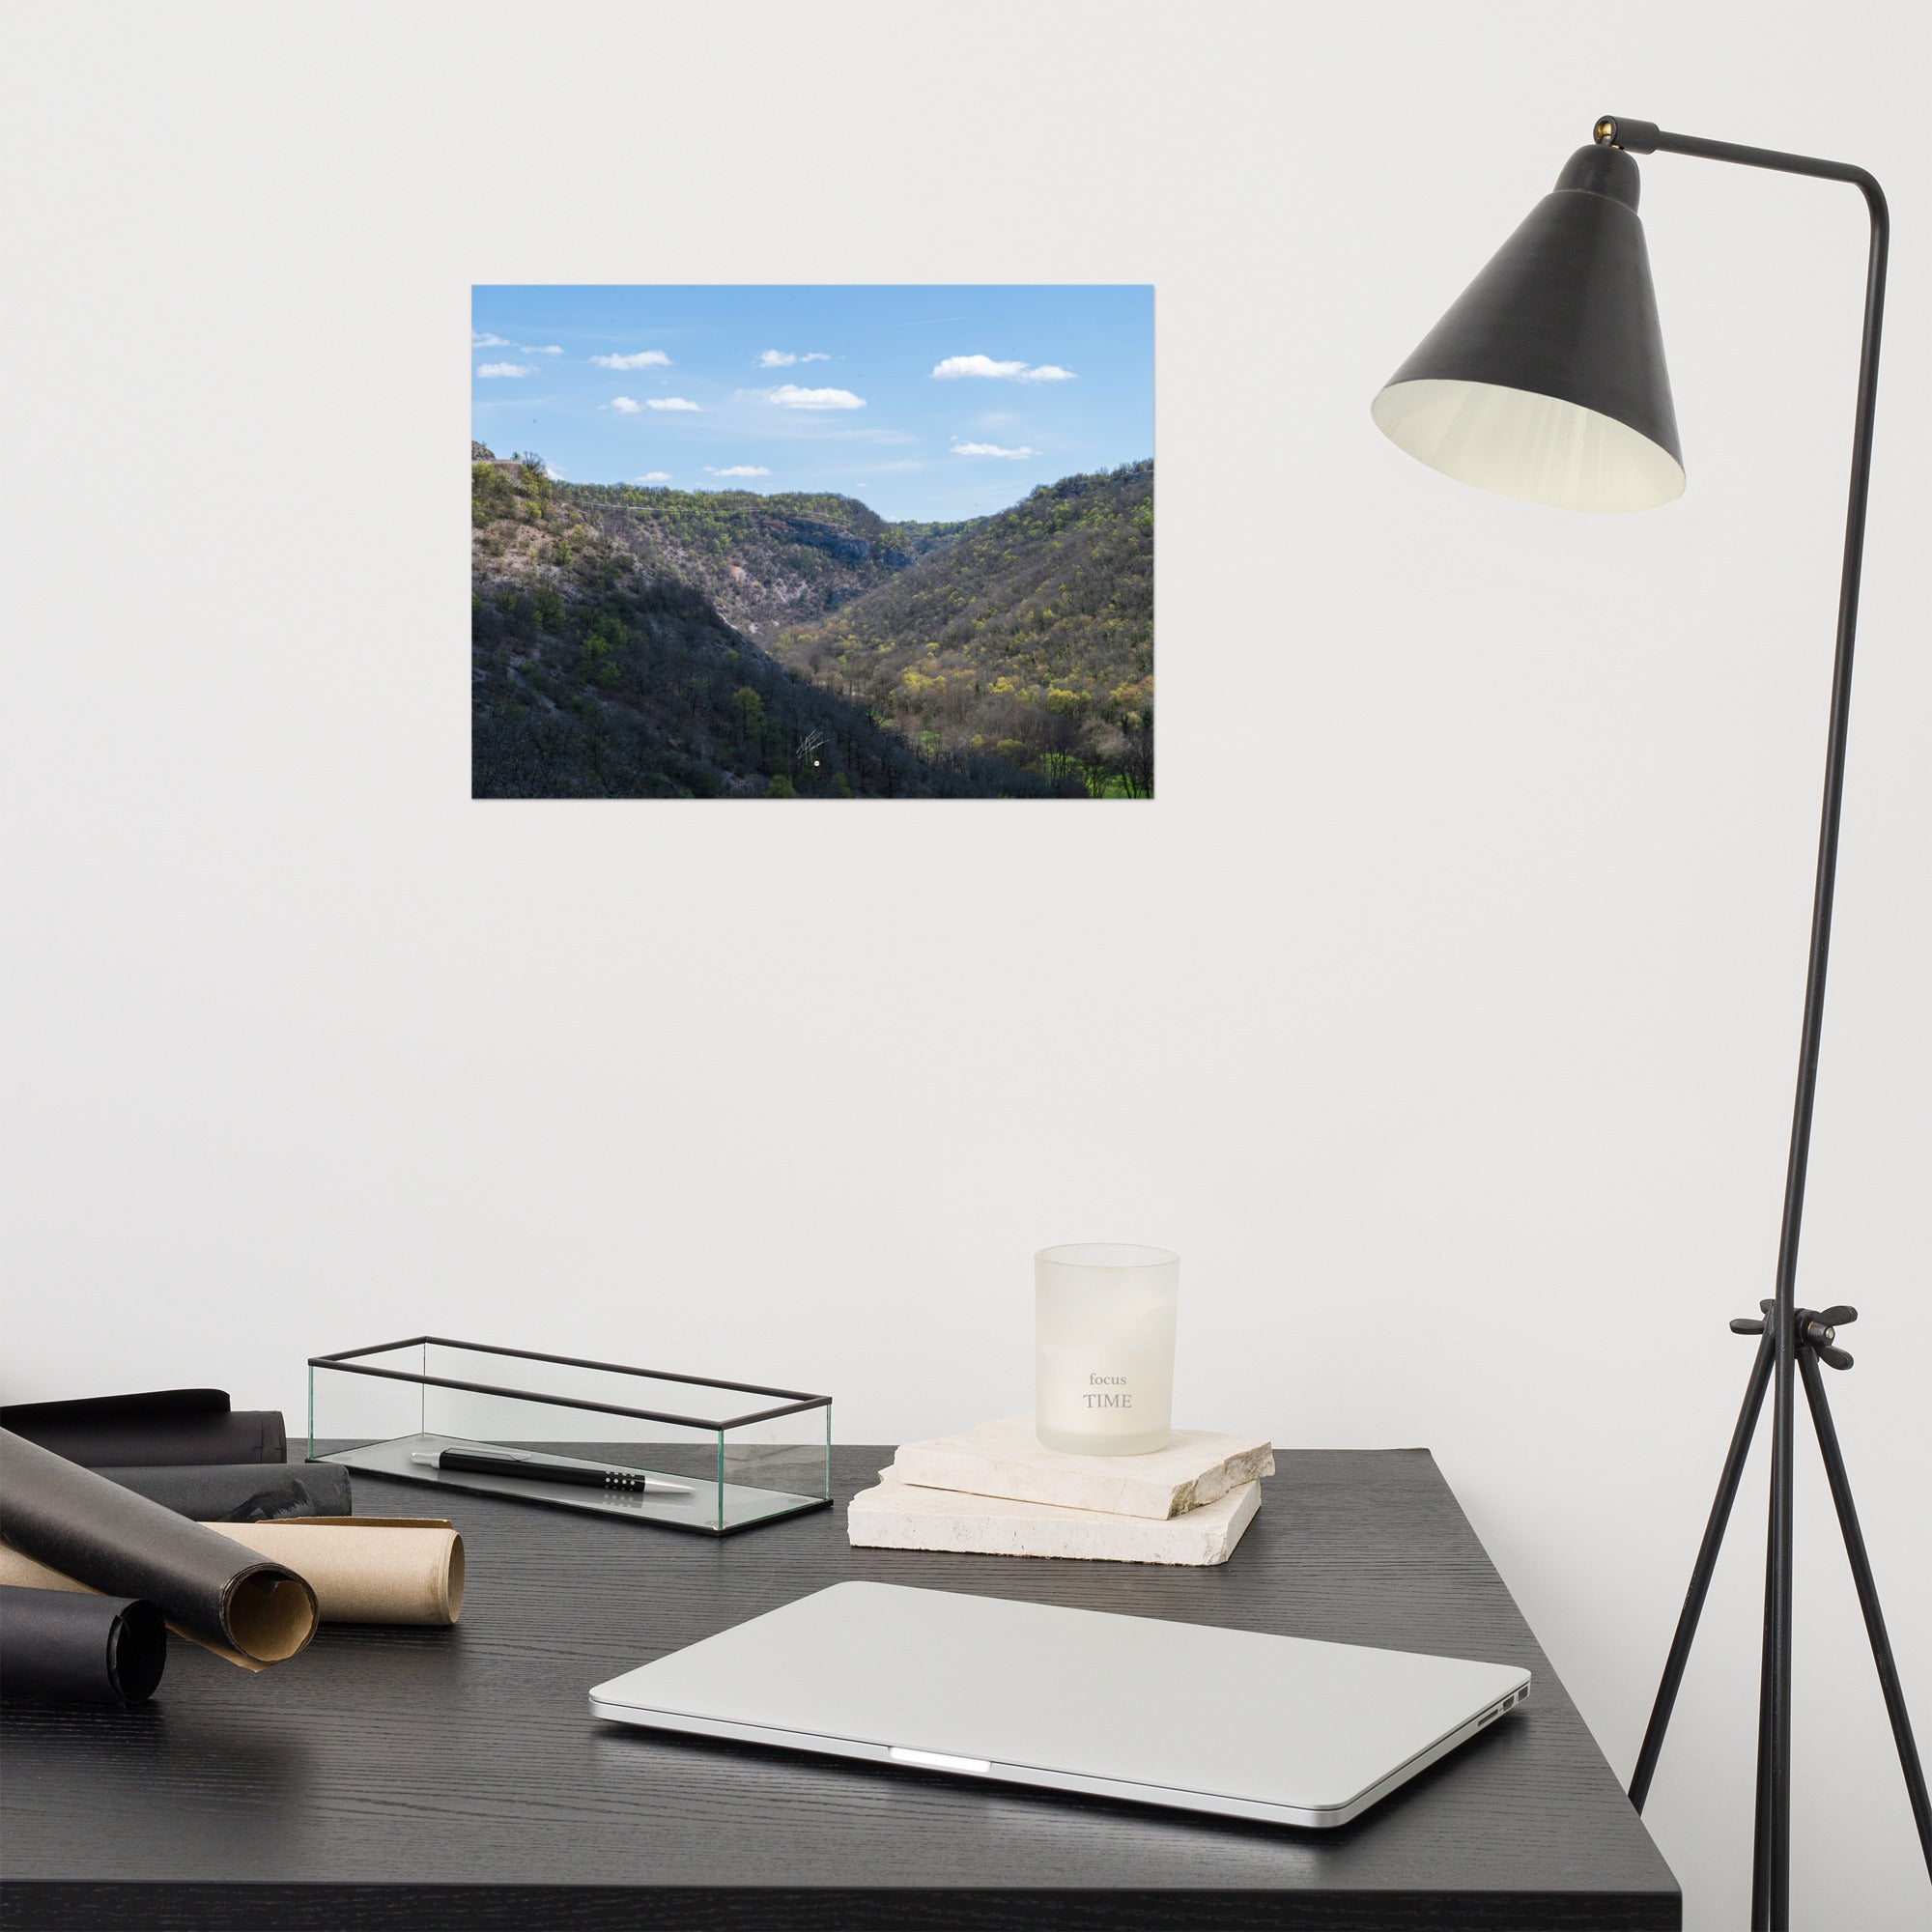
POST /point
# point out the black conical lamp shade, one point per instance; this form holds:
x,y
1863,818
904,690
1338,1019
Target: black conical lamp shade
x,y
1546,380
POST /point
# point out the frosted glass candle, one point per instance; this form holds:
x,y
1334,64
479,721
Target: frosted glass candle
x,y
1103,1347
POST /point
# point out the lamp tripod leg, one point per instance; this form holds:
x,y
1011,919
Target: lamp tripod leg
x,y
1807,1337
1702,1572
1762,1826
1867,1588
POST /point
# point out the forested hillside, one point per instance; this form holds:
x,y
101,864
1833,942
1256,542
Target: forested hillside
x,y
595,675
1028,634
645,643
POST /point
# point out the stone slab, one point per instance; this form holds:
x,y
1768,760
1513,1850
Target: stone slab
x,y
903,1516
1006,1458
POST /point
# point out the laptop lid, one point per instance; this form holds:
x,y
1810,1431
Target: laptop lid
x,y
1231,1722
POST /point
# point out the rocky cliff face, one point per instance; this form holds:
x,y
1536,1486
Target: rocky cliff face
x,y
766,562
838,544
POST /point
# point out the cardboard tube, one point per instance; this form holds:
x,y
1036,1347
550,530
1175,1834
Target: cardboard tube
x,y
363,1569
89,1533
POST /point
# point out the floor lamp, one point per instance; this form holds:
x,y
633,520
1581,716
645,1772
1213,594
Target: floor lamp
x,y
1546,380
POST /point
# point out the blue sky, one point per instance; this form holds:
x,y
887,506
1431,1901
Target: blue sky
x,y
926,402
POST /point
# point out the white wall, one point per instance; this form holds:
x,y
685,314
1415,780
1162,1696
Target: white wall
x,y
1442,1010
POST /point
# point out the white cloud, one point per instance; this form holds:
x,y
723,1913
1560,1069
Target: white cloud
x,y
739,469
653,476
503,369
645,358
816,356
990,449
626,405
790,396
975,365
481,339
1014,372
668,403
555,475
775,359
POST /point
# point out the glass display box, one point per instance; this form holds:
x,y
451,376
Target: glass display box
x,y
682,1452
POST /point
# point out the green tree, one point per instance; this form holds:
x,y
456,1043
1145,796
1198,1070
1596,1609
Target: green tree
x,y
1137,759
600,653
537,473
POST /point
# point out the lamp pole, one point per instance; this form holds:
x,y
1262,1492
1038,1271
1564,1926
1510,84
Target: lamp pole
x,y
1546,380
1794,1344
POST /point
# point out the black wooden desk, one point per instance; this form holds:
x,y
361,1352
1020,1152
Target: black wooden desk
x,y
421,1779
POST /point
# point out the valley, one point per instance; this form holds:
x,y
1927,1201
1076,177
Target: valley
x,y
632,641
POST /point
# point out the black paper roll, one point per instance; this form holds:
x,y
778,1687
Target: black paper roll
x,y
163,1426
118,1542
242,1491
60,1644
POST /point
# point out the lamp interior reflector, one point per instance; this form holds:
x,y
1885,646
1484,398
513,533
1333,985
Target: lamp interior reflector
x,y
1534,448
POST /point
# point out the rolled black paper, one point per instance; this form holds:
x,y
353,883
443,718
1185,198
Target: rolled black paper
x,y
118,1542
242,1491
163,1426
80,1649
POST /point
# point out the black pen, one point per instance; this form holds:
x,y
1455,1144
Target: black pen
x,y
531,1468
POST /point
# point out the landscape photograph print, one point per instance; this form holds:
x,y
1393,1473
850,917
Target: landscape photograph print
x,y
811,542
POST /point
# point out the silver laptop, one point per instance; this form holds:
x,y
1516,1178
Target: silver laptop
x,y
1279,1728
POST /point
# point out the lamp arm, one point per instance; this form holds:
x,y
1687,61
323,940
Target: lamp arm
x,y
1771,1905
1646,137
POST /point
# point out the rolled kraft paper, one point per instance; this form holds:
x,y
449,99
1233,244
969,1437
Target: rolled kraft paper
x,y
79,1649
363,1569
367,1570
18,1572
241,1491
159,1425
105,1538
